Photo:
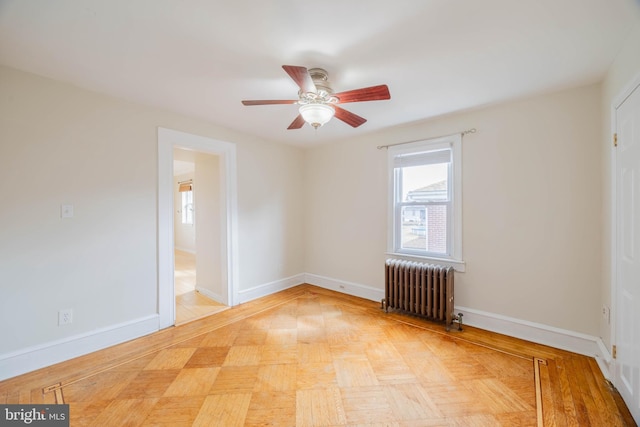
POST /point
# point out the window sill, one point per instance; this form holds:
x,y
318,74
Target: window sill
x,y
458,266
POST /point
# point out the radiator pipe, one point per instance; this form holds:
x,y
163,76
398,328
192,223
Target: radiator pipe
x,y
458,319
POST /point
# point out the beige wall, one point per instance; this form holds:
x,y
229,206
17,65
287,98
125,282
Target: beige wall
x,y
531,208
622,72
61,144
208,208
272,214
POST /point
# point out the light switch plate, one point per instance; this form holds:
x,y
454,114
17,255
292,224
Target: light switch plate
x,y
66,211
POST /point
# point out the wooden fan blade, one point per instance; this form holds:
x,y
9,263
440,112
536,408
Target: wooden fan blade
x,y
348,117
373,93
270,102
301,76
297,123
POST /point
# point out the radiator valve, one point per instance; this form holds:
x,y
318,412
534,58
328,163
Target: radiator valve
x,y
458,319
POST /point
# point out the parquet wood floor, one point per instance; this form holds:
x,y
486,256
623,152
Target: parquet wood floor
x,y
311,357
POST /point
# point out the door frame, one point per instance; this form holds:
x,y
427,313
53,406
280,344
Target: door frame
x,y
633,85
168,139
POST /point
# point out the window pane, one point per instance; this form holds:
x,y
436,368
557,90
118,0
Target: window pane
x,y
425,183
413,215
414,227
187,207
424,228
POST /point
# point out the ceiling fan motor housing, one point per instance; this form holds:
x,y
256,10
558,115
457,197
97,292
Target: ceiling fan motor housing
x,y
324,92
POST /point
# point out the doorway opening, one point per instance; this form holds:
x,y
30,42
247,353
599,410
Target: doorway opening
x,y
197,243
215,233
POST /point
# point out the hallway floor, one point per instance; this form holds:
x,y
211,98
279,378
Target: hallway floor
x,y
190,304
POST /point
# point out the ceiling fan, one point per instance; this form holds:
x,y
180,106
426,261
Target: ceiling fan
x,y
318,103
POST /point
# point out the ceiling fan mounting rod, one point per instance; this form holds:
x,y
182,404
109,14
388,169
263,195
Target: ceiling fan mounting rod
x,y
318,74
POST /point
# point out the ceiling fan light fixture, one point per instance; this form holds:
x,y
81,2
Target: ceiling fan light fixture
x,y
317,114
317,102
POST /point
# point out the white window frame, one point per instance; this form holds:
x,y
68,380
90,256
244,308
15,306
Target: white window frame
x,y
454,211
186,218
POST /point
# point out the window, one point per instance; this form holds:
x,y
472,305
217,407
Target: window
x,y
185,188
187,207
425,190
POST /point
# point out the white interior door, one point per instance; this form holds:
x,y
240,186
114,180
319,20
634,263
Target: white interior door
x,y
627,321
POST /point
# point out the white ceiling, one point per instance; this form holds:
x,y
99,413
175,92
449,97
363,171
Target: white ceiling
x,y
183,161
202,57
180,167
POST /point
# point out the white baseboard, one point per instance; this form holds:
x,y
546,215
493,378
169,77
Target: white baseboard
x,y
350,288
563,339
604,360
47,354
210,294
270,288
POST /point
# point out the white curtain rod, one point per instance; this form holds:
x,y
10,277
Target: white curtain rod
x,y
463,133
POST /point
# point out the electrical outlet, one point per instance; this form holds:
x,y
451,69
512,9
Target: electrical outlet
x,y
65,317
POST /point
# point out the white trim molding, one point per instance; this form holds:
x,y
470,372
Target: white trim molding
x,y
350,288
270,288
563,339
422,152
47,354
458,266
168,139
604,360
209,294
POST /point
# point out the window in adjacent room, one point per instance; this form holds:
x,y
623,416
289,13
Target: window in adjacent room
x,y
425,203
186,193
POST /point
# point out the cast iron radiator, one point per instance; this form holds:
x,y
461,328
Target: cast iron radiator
x,y
420,289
